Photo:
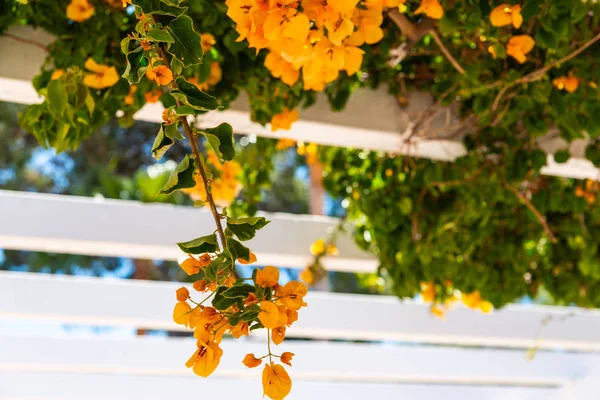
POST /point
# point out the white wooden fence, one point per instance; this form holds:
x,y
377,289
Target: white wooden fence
x,y
40,366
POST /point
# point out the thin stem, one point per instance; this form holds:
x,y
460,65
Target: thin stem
x,y
446,52
541,219
26,41
199,160
269,345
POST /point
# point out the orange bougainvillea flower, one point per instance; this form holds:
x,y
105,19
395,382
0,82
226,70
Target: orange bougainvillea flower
x,y
286,358
437,311
200,285
276,382
342,6
278,334
102,76
251,299
292,295
190,265
284,119
492,51
153,96
569,83
56,74
431,8
206,359
267,277
129,99
182,313
292,316
251,361
162,75
519,46
146,45
283,144
317,248
207,41
428,291
309,151
506,14
486,307
80,10
269,314
252,259
240,330
307,276
182,294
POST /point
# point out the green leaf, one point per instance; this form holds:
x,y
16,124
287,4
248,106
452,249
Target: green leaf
x,y
158,7
530,9
406,206
190,95
182,177
125,44
221,302
162,143
237,292
201,245
237,250
221,140
249,315
184,110
136,66
173,132
159,35
562,156
245,228
578,11
57,96
187,46
546,39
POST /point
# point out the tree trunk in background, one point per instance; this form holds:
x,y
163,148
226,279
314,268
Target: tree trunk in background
x,y
317,192
144,270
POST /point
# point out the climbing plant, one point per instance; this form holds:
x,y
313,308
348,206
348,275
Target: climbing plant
x,y
489,227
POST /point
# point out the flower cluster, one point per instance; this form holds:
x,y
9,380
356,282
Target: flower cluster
x,y
588,192
569,83
225,185
319,38
438,308
517,46
239,308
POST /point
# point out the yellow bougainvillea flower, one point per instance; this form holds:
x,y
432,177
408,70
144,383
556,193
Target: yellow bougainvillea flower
x,y
278,334
519,46
292,316
283,144
182,313
190,265
102,76
153,96
437,311
240,330
269,314
472,300
162,75
284,119
307,276
352,59
280,68
80,10
379,4
182,294
486,307
569,83
286,23
309,151
342,6
251,259
339,29
369,27
292,295
206,359
506,14
431,8
251,299
276,381
318,247
286,358
427,291
57,73
251,361
207,41
129,99
492,51
267,277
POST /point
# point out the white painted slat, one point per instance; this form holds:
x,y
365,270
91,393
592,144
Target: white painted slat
x,y
117,387
95,301
106,227
323,361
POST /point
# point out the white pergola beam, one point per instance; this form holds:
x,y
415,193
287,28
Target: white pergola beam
x,y
337,362
371,120
329,316
119,228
